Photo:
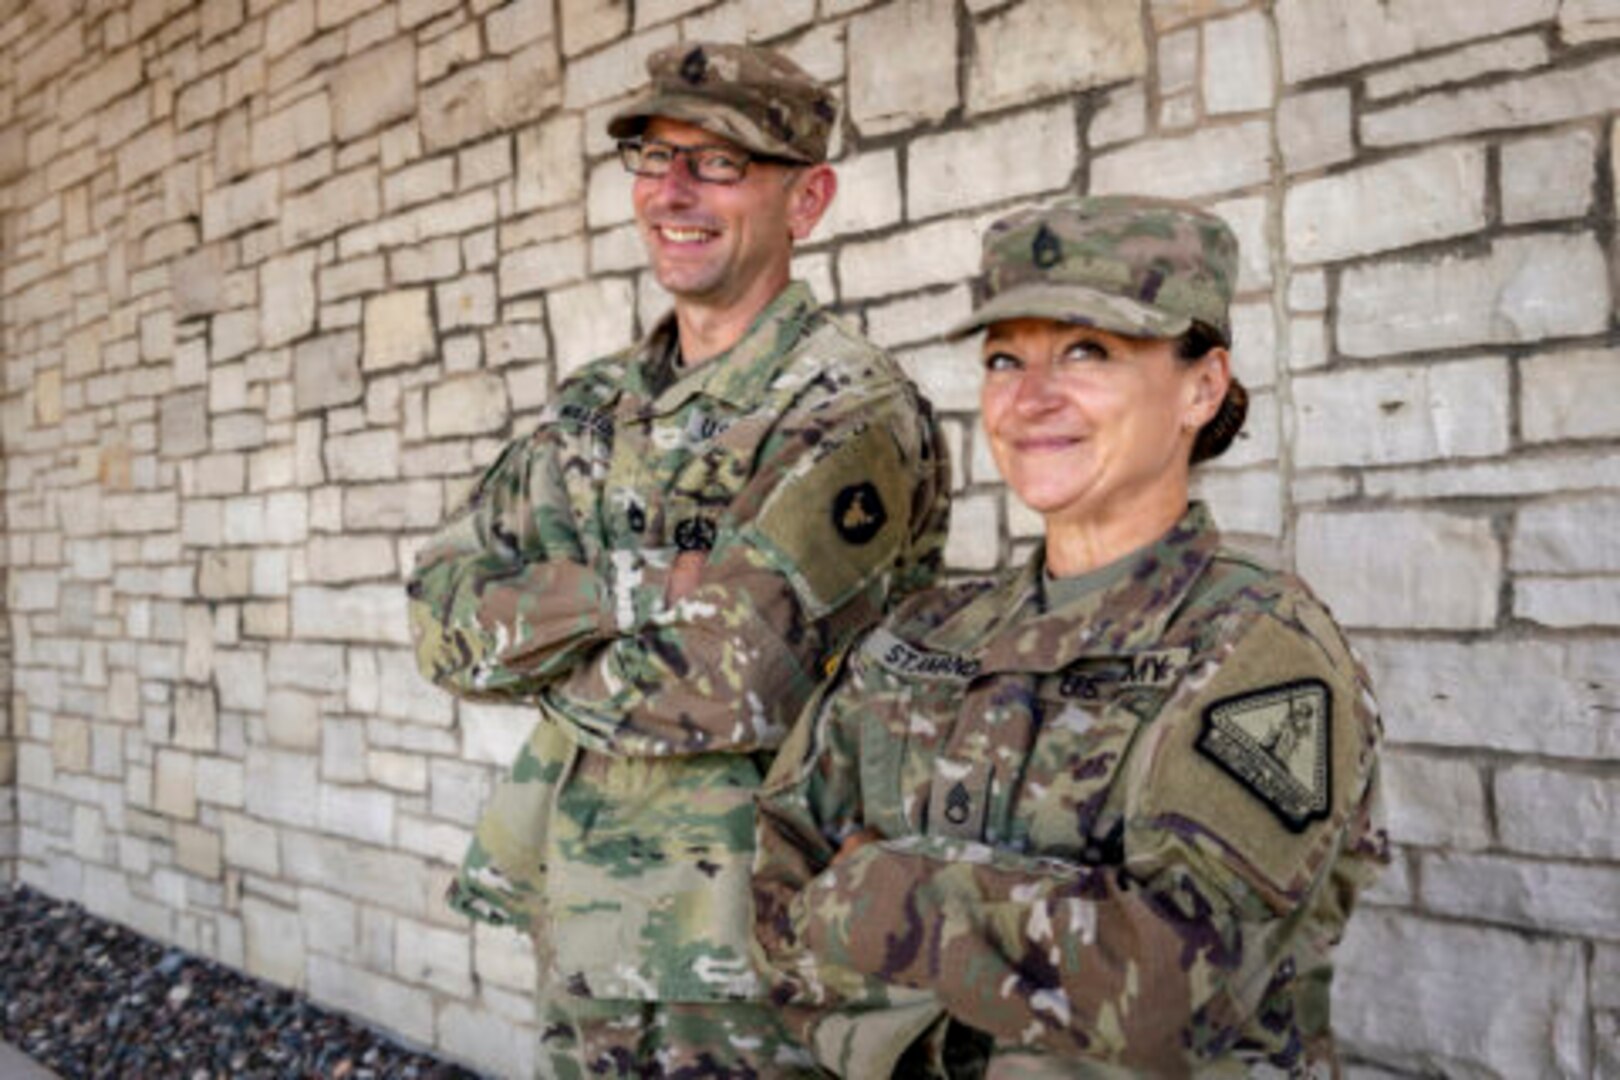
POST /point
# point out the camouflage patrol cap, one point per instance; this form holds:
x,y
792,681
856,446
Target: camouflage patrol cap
x,y
758,99
1129,264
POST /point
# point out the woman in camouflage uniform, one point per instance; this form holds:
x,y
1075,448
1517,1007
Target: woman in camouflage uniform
x,y
1106,815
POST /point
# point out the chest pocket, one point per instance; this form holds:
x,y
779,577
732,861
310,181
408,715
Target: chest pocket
x,y
910,712
1091,715
717,461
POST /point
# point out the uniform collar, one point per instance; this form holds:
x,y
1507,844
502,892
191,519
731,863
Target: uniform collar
x,y
741,374
1127,614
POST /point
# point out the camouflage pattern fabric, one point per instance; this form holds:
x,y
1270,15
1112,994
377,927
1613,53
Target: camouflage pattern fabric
x,y
581,1038
1129,264
1124,819
624,833
757,98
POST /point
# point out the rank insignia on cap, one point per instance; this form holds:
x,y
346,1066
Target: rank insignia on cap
x,y
1047,249
695,66
858,513
1275,742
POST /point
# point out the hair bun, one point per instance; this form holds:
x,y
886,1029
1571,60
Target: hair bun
x,y
1214,437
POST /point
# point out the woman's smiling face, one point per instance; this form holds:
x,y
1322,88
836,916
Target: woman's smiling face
x,y
1085,424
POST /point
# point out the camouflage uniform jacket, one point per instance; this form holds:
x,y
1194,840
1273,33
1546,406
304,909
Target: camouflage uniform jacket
x,y
808,467
1123,829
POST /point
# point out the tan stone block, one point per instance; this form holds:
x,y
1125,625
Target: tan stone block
x,y
497,95
364,613
965,169
124,695
589,23
266,619
591,320
70,744
402,772
225,574
473,405
13,152
293,720
251,845
520,23
196,725
1320,39
197,850
1039,48
326,371
614,71
902,65
374,89
115,468
1519,53
398,330
175,785
48,396
275,942
336,204
1533,100
974,543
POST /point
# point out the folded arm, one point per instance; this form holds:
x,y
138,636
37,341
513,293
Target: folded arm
x,y
502,599
835,514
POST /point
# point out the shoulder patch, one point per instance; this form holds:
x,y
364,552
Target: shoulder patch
x,y
831,523
1277,743
858,513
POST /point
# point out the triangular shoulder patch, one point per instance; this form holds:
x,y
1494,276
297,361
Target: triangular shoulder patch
x,y
1276,743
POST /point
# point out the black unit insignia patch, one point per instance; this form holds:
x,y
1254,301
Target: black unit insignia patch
x,y
1276,743
1047,250
959,798
858,513
695,67
695,534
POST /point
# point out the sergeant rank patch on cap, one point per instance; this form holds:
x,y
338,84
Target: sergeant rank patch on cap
x,y
1275,742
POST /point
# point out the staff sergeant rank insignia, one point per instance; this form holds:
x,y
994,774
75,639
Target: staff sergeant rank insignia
x,y
1275,743
1046,250
858,513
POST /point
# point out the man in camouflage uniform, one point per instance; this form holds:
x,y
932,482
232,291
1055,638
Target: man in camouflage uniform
x,y
1102,825
666,567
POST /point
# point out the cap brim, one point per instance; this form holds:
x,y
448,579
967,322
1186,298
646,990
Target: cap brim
x,y
1075,304
703,112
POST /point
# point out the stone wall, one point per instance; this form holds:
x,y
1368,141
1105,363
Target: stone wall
x,y
8,742
279,274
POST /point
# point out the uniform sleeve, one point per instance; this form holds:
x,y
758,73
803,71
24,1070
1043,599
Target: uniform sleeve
x,y
809,803
839,512
502,599
854,1023
1149,963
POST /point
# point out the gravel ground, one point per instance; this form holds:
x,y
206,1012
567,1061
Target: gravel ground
x,y
88,998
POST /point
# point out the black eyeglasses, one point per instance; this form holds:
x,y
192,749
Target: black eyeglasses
x,y
712,164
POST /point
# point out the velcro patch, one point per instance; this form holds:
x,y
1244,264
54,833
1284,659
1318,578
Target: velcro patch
x,y
889,652
838,521
1277,744
1156,669
959,798
858,513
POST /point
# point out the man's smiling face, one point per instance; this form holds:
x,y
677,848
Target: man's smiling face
x,y
713,244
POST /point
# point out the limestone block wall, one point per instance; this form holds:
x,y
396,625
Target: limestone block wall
x,y
278,275
8,744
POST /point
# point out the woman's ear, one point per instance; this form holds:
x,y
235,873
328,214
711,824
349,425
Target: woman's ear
x,y
812,192
1209,376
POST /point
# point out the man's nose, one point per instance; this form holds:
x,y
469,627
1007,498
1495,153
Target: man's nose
x,y
680,181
